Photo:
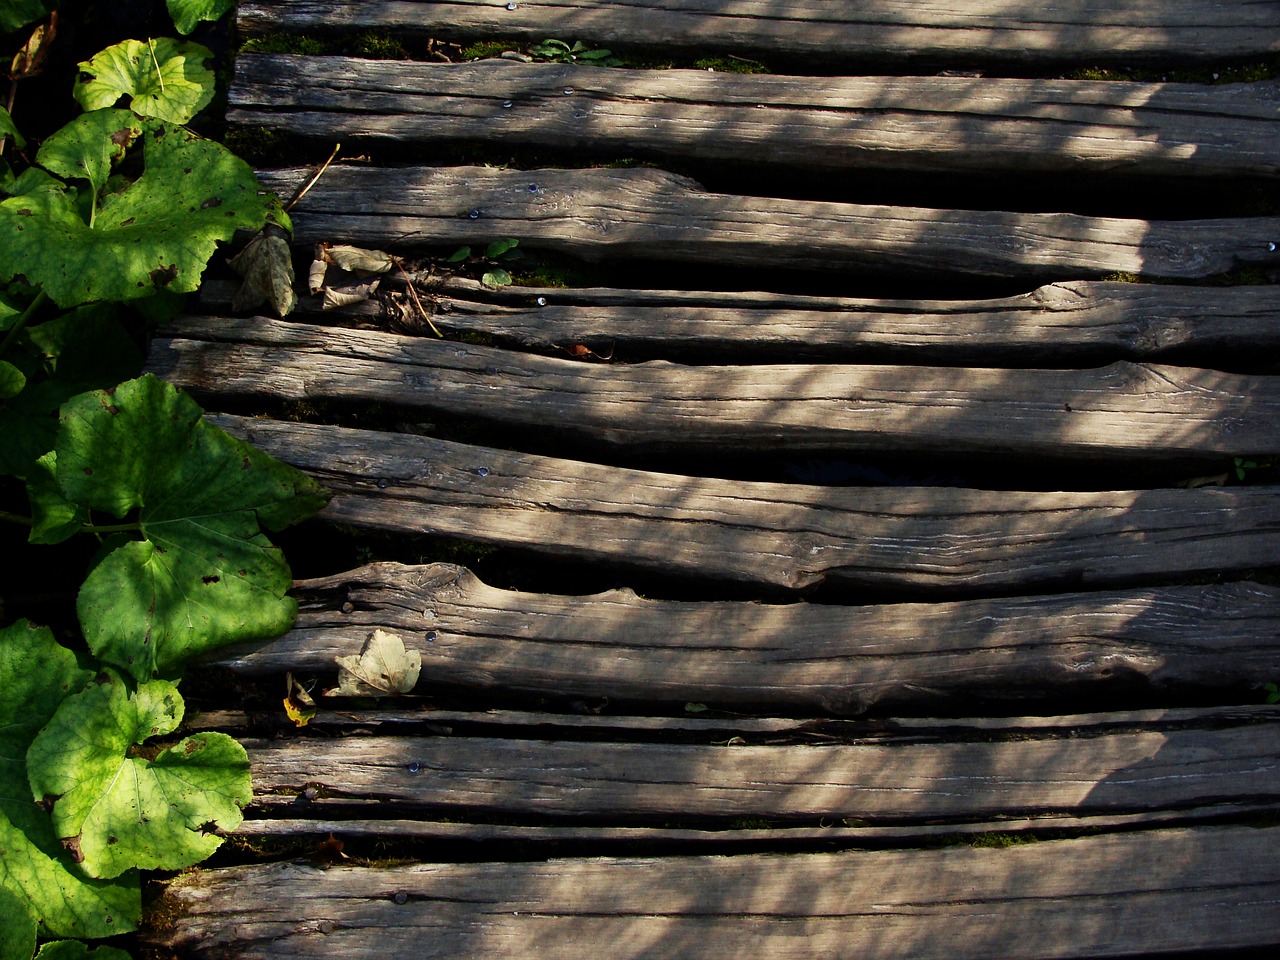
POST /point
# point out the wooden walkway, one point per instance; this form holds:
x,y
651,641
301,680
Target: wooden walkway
x,y
856,574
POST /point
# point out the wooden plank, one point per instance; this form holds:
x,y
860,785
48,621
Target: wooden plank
x,y
618,646
611,213
786,535
1127,894
971,776
822,30
928,124
1069,322
1121,411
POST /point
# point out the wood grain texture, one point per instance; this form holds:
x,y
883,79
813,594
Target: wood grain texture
x,y
967,776
850,31
618,646
1151,892
785,535
1121,411
927,124
647,213
1069,322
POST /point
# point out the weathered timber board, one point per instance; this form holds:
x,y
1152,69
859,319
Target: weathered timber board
x,y
965,778
850,31
618,646
929,124
786,535
1124,410
1054,324
1148,892
650,213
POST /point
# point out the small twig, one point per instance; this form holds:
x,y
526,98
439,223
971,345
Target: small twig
x,y
302,191
418,303
156,63
22,320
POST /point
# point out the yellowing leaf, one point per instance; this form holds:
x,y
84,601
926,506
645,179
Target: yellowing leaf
x,y
383,668
298,705
357,260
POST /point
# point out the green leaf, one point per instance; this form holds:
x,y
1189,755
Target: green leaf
x,y
54,517
18,13
496,278
459,255
157,234
164,78
18,932
500,247
37,676
121,809
75,950
12,380
7,129
187,13
90,145
204,576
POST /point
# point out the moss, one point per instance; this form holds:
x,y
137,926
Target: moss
x,y
487,49
477,338
1122,278
1232,73
258,145
730,65
998,841
379,46
299,43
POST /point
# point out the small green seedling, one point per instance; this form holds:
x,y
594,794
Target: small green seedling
x,y
557,51
1272,691
495,276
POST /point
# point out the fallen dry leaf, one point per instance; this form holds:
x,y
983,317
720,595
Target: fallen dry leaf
x,y
267,267
382,669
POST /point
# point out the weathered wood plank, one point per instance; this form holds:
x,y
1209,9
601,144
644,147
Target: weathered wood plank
x,y
618,646
650,213
929,124
1060,323
1128,894
1121,411
845,30
969,776
786,535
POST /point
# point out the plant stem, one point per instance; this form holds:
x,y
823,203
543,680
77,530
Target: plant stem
x,y
27,314
110,527
18,518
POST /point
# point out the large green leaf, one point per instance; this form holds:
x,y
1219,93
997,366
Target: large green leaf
x,y
187,13
75,950
203,576
156,234
164,78
37,676
117,807
17,13
7,129
18,931
90,145
54,518
12,380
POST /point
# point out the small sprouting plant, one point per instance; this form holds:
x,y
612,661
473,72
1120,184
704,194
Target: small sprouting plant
x,y
494,275
557,51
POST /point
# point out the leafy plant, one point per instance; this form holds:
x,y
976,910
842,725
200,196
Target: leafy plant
x,y
100,235
494,275
557,51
